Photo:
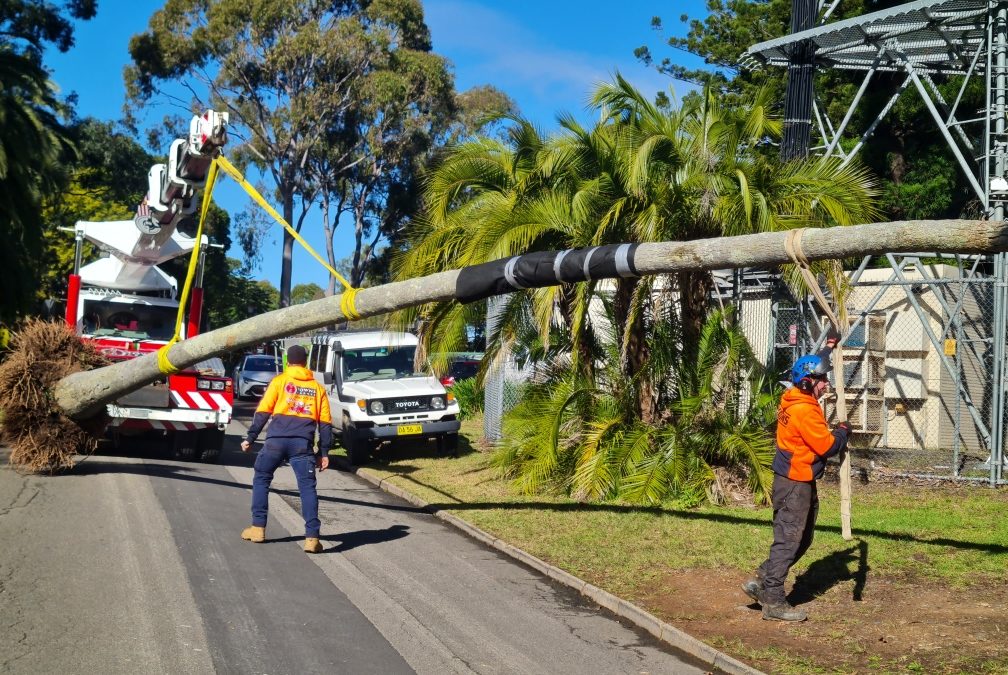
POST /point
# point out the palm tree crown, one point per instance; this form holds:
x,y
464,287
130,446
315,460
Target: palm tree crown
x,y
615,410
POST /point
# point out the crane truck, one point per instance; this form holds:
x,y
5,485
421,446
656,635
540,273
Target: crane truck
x,y
127,306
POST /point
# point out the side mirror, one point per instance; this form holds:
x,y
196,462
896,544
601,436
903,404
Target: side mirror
x,y
327,378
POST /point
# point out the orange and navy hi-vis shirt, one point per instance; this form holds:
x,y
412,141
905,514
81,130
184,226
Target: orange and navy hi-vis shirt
x,y
297,404
804,440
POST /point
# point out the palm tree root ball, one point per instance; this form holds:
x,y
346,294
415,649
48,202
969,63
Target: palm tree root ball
x,y
42,439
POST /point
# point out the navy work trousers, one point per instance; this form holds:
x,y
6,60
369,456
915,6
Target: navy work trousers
x,y
302,462
796,507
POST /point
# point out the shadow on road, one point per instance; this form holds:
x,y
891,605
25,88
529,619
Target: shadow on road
x,y
182,471
349,540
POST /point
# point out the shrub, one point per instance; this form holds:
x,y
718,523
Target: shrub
x,y
469,395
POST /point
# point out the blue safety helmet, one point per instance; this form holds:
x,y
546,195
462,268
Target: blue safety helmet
x,y
808,366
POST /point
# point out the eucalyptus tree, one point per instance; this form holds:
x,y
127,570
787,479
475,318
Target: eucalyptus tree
x,y
297,77
405,108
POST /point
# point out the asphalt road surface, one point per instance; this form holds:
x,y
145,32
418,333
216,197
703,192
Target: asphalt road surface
x,y
133,563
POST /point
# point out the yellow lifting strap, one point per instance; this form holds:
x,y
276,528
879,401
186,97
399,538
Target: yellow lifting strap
x,y
164,365
229,168
347,300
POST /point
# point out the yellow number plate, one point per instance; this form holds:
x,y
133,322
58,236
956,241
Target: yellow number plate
x,y
404,429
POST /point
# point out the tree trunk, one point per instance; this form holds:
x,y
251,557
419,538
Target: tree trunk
x,y
83,394
635,349
288,251
330,231
694,290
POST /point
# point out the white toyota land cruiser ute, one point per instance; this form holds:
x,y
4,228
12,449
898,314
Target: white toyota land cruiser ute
x,y
376,395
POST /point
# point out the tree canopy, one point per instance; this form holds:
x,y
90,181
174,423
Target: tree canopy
x,y
33,140
335,102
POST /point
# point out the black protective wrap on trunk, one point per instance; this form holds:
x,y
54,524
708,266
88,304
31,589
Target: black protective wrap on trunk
x,y
535,270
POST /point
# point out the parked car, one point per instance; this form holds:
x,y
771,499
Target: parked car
x,y
461,367
254,373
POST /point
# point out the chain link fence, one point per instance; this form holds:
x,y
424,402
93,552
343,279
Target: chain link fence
x,y
920,360
503,379
923,359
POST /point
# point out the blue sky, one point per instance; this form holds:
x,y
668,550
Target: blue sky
x,y
547,55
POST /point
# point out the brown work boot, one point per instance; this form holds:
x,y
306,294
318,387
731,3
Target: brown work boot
x,y
782,611
254,533
754,589
312,545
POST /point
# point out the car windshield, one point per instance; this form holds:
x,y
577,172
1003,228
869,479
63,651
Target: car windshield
x,y
129,320
262,363
462,370
378,363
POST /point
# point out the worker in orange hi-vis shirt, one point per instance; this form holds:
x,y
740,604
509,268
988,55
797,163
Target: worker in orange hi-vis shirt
x,y
804,443
295,407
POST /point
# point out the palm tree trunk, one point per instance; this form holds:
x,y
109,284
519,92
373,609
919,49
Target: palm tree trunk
x,y
83,394
694,291
635,350
584,359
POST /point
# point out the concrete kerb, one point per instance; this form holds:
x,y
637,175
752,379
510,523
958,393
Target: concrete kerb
x,y
665,632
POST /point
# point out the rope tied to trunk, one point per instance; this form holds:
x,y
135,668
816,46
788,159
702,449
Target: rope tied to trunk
x,y
348,303
220,163
793,248
164,365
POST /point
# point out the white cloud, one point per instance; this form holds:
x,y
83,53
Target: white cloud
x,y
488,46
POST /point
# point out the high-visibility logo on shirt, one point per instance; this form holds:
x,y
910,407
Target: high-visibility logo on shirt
x,y
298,391
299,407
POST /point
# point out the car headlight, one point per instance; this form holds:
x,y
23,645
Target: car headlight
x,y
377,408
437,403
217,385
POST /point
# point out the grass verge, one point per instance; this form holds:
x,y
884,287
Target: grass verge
x,y
953,535
949,538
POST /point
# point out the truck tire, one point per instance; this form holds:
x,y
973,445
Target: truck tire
x,y
211,444
358,449
186,445
447,445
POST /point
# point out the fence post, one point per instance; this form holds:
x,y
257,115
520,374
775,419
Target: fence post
x,y
998,376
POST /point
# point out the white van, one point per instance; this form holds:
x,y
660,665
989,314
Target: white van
x,y
376,395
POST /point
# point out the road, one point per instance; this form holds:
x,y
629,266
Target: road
x,y
134,564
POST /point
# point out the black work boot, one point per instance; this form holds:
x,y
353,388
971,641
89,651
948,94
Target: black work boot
x,y
754,589
782,611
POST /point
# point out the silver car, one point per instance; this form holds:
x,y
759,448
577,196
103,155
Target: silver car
x,y
254,373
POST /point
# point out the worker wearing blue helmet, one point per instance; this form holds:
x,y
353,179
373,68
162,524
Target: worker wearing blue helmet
x,y
804,443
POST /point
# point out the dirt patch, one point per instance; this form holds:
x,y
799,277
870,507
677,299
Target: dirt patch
x,y
855,625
